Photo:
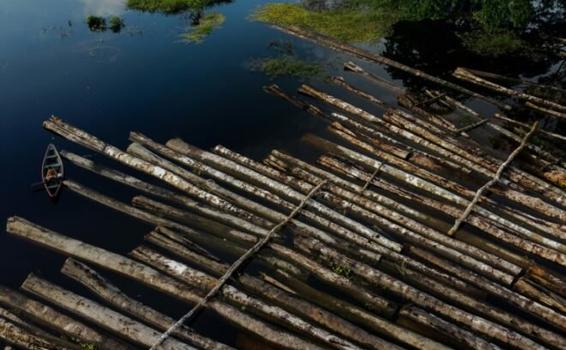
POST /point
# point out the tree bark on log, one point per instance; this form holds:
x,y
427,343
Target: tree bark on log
x,y
426,301
541,294
152,278
352,67
458,334
474,219
205,282
466,75
287,301
52,319
98,314
114,296
364,54
17,335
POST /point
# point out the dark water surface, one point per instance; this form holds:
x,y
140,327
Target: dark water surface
x,y
142,79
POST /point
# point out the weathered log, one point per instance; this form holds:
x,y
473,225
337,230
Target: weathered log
x,y
152,278
84,139
205,282
52,319
540,294
474,219
459,335
426,301
381,215
287,301
466,75
281,189
352,67
437,190
342,83
432,121
313,217
19,336
547,111
394,121
546,133
101,316
367,55
114,296
358,314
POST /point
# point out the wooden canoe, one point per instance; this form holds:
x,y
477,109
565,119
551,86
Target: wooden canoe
x,y
52,171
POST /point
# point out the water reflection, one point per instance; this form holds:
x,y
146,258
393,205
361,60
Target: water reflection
x,y
104,7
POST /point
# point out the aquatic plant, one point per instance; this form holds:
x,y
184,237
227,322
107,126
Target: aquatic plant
x,y
286,65
170,6
96,23
116,24
204,27
492,43
349,24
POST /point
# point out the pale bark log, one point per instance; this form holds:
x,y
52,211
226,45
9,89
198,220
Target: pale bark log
x,y
98,314
352,67
52,319
152,278
541,294
114,296
19,336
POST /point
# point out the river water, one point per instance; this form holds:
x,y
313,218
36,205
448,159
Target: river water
x,y
145,79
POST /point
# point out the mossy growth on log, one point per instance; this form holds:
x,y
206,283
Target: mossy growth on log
x,y
205,26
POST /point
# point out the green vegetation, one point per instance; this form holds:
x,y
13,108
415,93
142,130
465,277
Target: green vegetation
x,y
287,65
116,24
88,346
96,23
168,6
489,27
349,24
342,270
492,43
204,27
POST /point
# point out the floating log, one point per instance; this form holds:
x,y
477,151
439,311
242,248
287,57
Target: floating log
x,y
466,75
458,335
52,319
474,219
19,336
115,297
98,314
352,67
540,294
547,111
152,278
426,301
541,131
287,301
370,56
205,282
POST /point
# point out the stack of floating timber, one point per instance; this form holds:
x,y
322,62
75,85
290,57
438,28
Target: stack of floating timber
x,y
375,258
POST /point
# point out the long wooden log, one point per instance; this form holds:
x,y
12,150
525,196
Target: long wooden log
x,y
287,301
466,75
205,282
546,133
152,278
352,67
52,319
281,190
381,280
541,294
96,313
458,334
19,336
474,219
393,120
437,190
364,54
114,296
276,200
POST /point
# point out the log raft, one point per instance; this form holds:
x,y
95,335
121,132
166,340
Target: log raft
x,y
359,250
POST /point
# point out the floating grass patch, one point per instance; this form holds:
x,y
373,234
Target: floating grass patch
x,y
275,67
96,23
348,24
492,43
204,28
116,24
168,6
